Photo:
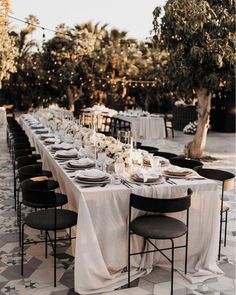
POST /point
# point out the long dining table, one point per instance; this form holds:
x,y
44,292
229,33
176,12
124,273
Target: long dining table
x,y
101,247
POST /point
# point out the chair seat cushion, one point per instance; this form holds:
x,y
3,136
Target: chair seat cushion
x,y
45,219
158,227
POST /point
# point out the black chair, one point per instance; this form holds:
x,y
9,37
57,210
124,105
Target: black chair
x,y
105,127
50,219
149,149
159,226
40,183
138,144
186,163
23,150
26,160
28,171
35,170
168,120
226,178
165,155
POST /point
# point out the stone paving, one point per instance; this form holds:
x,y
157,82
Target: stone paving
x,y
38,278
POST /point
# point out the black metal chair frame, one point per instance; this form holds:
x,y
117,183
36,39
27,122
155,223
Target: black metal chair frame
x,y
222,176
168,125
150,149
165,155
186,163
53,241
160,206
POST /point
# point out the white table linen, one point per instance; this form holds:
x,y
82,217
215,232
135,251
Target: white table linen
x,y
102,228
147,127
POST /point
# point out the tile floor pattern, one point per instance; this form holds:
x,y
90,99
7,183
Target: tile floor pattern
x,y
38,278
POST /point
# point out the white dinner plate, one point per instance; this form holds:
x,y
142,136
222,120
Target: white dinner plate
x,y
93,182
159,181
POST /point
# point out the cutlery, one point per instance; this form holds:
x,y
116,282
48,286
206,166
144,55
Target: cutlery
x,y
95,185
169,180
125,183
196,178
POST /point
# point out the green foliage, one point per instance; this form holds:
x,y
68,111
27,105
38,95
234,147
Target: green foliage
x,y
8,51
199,36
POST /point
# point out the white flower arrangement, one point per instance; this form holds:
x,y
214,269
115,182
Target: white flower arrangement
x,y
190,128
74,132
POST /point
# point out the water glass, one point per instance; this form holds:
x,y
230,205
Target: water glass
x,y
119,168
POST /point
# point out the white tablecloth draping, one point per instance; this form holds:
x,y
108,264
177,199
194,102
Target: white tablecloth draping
x,y
102,229
149,127
3,117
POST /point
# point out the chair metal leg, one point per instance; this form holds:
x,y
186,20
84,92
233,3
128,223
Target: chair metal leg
x,y
172,268
55,257
186,254
46,244
226,221
129,261
70,235
22,249
221,219
19,223
14,193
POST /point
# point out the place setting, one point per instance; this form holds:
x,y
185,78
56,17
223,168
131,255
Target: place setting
x,y
64,155
82,163
61,146
92,177
146,177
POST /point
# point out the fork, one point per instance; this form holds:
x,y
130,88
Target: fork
x,y
169,180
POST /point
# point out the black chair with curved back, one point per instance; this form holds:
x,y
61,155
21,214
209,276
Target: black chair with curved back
x,y
159,226
105,125
29,171
49,219
165,155
227,183
35,170
186,163
21,150
44,184
149,149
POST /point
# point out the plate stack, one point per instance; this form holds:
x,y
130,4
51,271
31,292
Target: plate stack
x,y
92,176
50,140
45,136
62,146
65,155
178,172
38,126
41,131
147,177
82,163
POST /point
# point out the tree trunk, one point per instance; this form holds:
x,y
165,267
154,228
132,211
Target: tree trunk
x,y
195,148
71,96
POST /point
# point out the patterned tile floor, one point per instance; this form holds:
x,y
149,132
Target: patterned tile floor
x,y
38,278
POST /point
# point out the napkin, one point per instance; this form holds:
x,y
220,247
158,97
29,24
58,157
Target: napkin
x,y
146,175
81,162
66,153
91,173
62,146
50,140
178,169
